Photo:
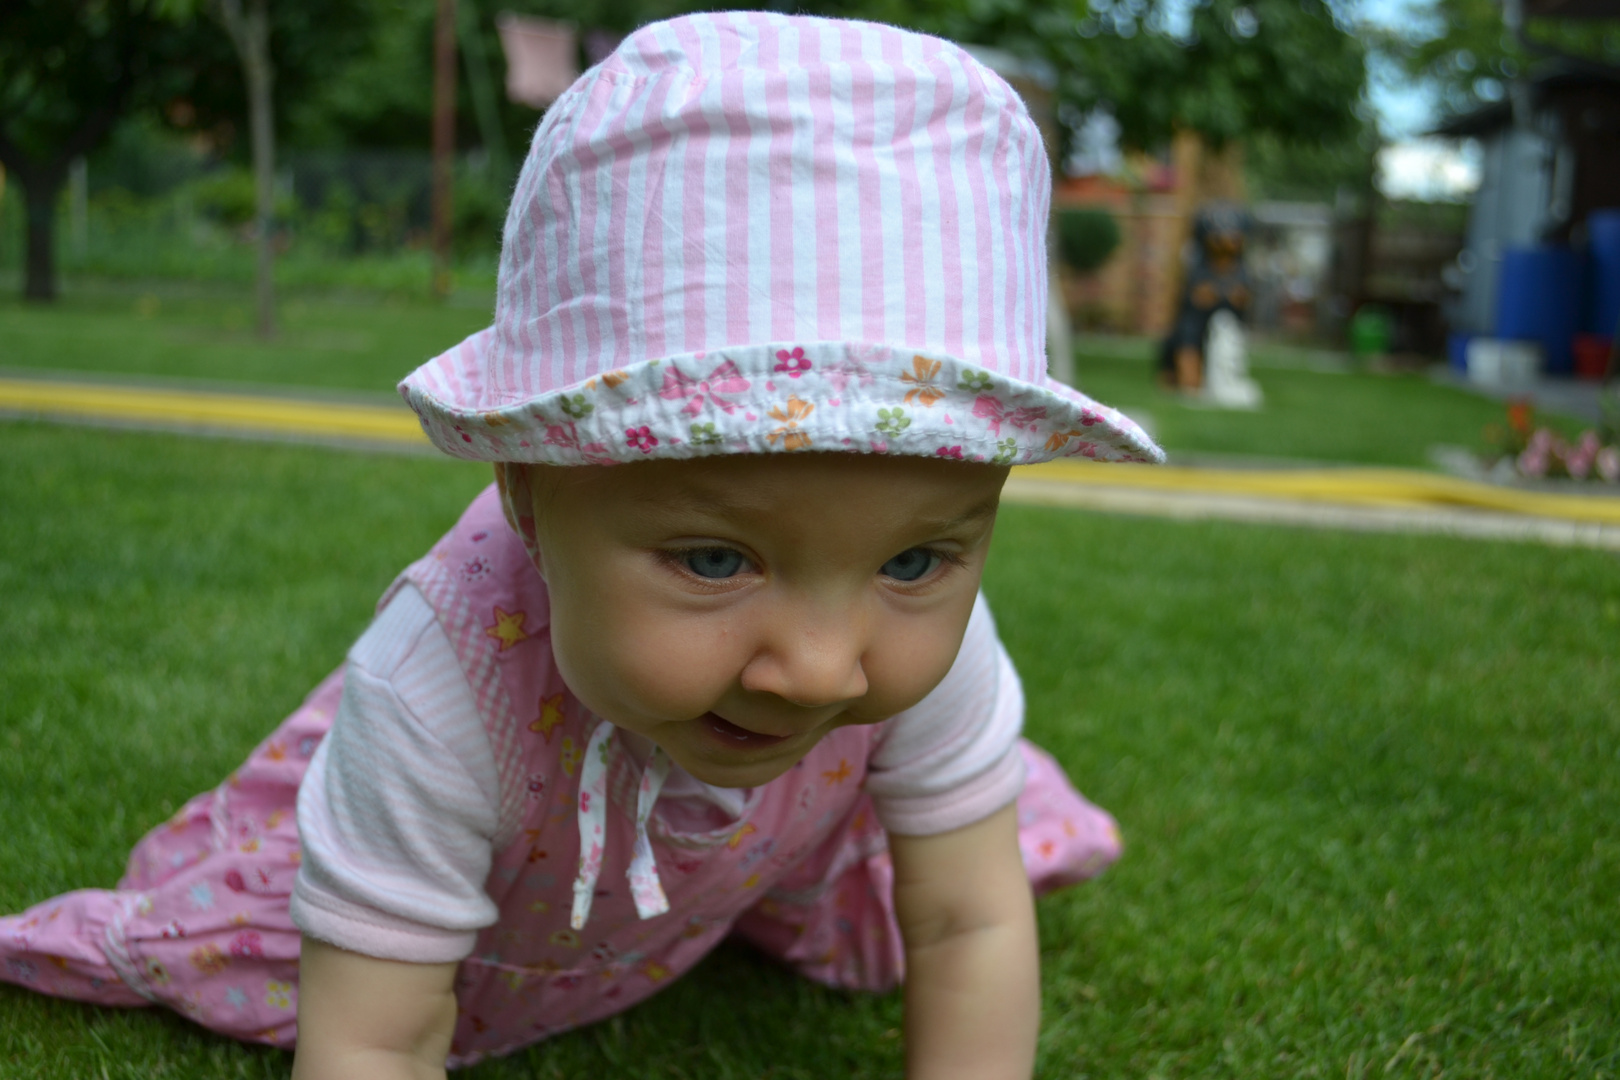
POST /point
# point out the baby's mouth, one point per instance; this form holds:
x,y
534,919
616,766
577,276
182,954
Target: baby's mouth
x,y
732,735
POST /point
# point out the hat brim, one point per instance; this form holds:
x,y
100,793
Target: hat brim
x,y
767,398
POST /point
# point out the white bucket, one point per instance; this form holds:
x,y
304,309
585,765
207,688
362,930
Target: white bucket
x,y
1495,362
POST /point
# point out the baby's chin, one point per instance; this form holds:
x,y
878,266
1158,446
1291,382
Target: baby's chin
x,y
717,754
726,771
752,775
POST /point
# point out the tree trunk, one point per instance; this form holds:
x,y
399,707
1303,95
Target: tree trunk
x,y
39,197
250,33
444,140
42,182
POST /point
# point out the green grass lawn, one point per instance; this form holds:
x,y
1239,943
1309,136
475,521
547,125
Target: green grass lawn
x,y
368,342
1367,783
1309,413
358,342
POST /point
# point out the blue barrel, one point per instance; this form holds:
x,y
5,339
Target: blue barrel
x,y
1457,351
1539,299
1603,236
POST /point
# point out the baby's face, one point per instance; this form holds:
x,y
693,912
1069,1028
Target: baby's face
x,y
734,610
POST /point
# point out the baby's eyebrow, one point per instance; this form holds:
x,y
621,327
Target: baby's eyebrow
x,y
719,502
972,516
687,499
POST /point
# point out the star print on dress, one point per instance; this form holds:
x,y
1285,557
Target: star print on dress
x,y
838,775
507,628
550,716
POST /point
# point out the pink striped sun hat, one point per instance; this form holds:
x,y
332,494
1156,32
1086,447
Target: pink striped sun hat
x,y
754,233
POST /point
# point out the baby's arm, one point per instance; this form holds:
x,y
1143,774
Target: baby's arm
x,y
973,996
361,1018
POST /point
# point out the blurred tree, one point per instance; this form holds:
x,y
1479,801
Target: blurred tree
x,y
1293,70
69,69
249,30
1229,69
1463,49
283,49
308,41
1302,170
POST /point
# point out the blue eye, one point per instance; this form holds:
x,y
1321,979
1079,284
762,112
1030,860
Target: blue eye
x,y
714,562
912,564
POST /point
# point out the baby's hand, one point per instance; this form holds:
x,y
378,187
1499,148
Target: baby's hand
x,y
973,993
361,1018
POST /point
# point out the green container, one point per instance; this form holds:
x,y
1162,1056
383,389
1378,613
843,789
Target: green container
x,y
1371,330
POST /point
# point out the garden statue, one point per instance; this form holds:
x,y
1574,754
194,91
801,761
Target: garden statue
x,y
1226,364
1216,283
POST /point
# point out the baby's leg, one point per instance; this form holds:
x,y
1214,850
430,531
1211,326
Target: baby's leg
x,y
200,921
833,920
1064,838
58,948
229,963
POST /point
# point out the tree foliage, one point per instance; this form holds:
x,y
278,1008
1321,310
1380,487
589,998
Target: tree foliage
x,y
1463,49
72,69
1289,68
69,70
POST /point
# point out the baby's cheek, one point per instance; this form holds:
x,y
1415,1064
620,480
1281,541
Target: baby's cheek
x,y
676,670
904,669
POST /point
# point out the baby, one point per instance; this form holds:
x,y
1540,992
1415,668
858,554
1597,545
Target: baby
x,y
710,656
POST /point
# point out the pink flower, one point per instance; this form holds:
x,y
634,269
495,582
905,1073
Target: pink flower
x,y
1580,457
641,438
723,380
987,407
794,363
247,944
1608,464
949,452
1533,462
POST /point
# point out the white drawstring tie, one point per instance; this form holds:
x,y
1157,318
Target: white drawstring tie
x,y
645,888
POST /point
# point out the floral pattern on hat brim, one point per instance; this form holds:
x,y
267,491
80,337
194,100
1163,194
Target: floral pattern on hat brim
x,y
784,398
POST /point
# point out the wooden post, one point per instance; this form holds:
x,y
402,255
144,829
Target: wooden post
x,y
444,139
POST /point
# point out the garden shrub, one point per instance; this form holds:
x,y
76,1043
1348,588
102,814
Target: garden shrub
x,y
1086,236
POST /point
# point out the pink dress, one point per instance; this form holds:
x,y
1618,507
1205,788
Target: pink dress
x,y
601,901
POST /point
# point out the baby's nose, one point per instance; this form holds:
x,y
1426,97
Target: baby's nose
x,y
812,667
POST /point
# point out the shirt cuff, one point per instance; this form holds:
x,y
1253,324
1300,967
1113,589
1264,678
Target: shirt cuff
x,y
371,933
930,815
